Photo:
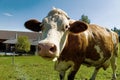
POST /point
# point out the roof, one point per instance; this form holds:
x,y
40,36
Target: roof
x,y
12,41
10,36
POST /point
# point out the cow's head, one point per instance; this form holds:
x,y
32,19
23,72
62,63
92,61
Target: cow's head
x,y
55,28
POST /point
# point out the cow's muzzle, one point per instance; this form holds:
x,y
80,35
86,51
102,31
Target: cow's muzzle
x,y
47,50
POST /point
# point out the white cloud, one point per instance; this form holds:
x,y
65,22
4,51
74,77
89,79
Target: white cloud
x,y
7,14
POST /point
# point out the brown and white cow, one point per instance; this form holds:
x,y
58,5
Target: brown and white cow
x,y
73,43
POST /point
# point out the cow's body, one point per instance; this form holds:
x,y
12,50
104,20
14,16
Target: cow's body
x,y
93,46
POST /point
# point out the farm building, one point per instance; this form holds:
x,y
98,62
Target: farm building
x,y
8,40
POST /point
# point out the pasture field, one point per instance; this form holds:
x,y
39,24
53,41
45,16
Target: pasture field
x,y
36,68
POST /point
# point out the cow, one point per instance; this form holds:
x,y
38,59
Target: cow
x,y
72,43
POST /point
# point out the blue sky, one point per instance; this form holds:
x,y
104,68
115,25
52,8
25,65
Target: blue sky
x,y
13,13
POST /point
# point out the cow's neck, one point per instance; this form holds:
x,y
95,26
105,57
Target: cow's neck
x,y
71,48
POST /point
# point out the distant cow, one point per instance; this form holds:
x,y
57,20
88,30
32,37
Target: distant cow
x,y
72,43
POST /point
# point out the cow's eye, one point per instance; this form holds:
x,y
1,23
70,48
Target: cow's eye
x,y
66,27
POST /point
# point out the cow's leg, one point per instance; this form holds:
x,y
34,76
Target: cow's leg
x,y
62,67
62,75
73,71
72,75
94,73
114,66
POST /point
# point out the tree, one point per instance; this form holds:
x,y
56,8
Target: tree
x,y
85,19
23,44
117,31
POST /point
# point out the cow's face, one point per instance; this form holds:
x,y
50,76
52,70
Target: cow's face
x,y
55,28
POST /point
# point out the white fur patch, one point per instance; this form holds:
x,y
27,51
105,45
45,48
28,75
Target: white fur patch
x,y
101,56
63,65
114,38
97,48
99,51
55,59
86,34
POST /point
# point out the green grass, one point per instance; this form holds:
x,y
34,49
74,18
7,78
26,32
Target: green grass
x,y
36,68
26,68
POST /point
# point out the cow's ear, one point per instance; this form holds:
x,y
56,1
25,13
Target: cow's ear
x,y
77,27
33,25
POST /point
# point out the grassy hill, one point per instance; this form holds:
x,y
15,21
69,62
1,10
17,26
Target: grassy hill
x,y
36,68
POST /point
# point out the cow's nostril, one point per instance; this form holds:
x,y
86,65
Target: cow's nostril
x,y
53,48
